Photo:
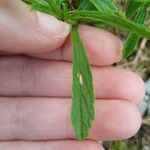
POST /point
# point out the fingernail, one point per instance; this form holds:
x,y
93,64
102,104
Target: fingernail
x,y
52,27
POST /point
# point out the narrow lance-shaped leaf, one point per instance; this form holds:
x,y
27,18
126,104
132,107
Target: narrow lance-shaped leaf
x,y
86,5
133,39
132,8
75,3
27,1
55,7
42,7
105,5
120,22
143,1
82,113
60,4
46,6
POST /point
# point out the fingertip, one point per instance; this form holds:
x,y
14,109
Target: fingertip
x,y
135,85
133,121
141,89
50,33
25,31
125,120
52,27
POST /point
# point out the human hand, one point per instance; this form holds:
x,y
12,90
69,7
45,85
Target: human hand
x,y
35,83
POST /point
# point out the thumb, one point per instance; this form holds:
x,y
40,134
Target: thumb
x,y
24,31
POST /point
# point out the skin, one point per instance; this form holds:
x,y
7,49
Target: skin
x,y
35,79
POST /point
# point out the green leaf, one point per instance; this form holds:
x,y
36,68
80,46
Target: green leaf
x,y
42,8
133,39
130,44
46,6
27,1
105,5
119,22
132,8
102,5
61,3
86,5
143,1
76,3
82,114
119,145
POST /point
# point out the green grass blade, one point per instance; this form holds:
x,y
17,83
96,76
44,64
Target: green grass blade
x,y
82,113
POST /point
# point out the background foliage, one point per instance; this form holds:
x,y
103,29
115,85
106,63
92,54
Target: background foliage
x,y
139,62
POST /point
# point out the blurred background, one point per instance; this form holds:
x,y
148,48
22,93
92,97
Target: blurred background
x,y
139,62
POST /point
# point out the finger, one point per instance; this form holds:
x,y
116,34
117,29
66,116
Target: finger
x,y
4,53
22,76
49,119
51,145
24,31
103,47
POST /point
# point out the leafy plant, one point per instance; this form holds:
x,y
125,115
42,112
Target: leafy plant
x,y
119,145
99,13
